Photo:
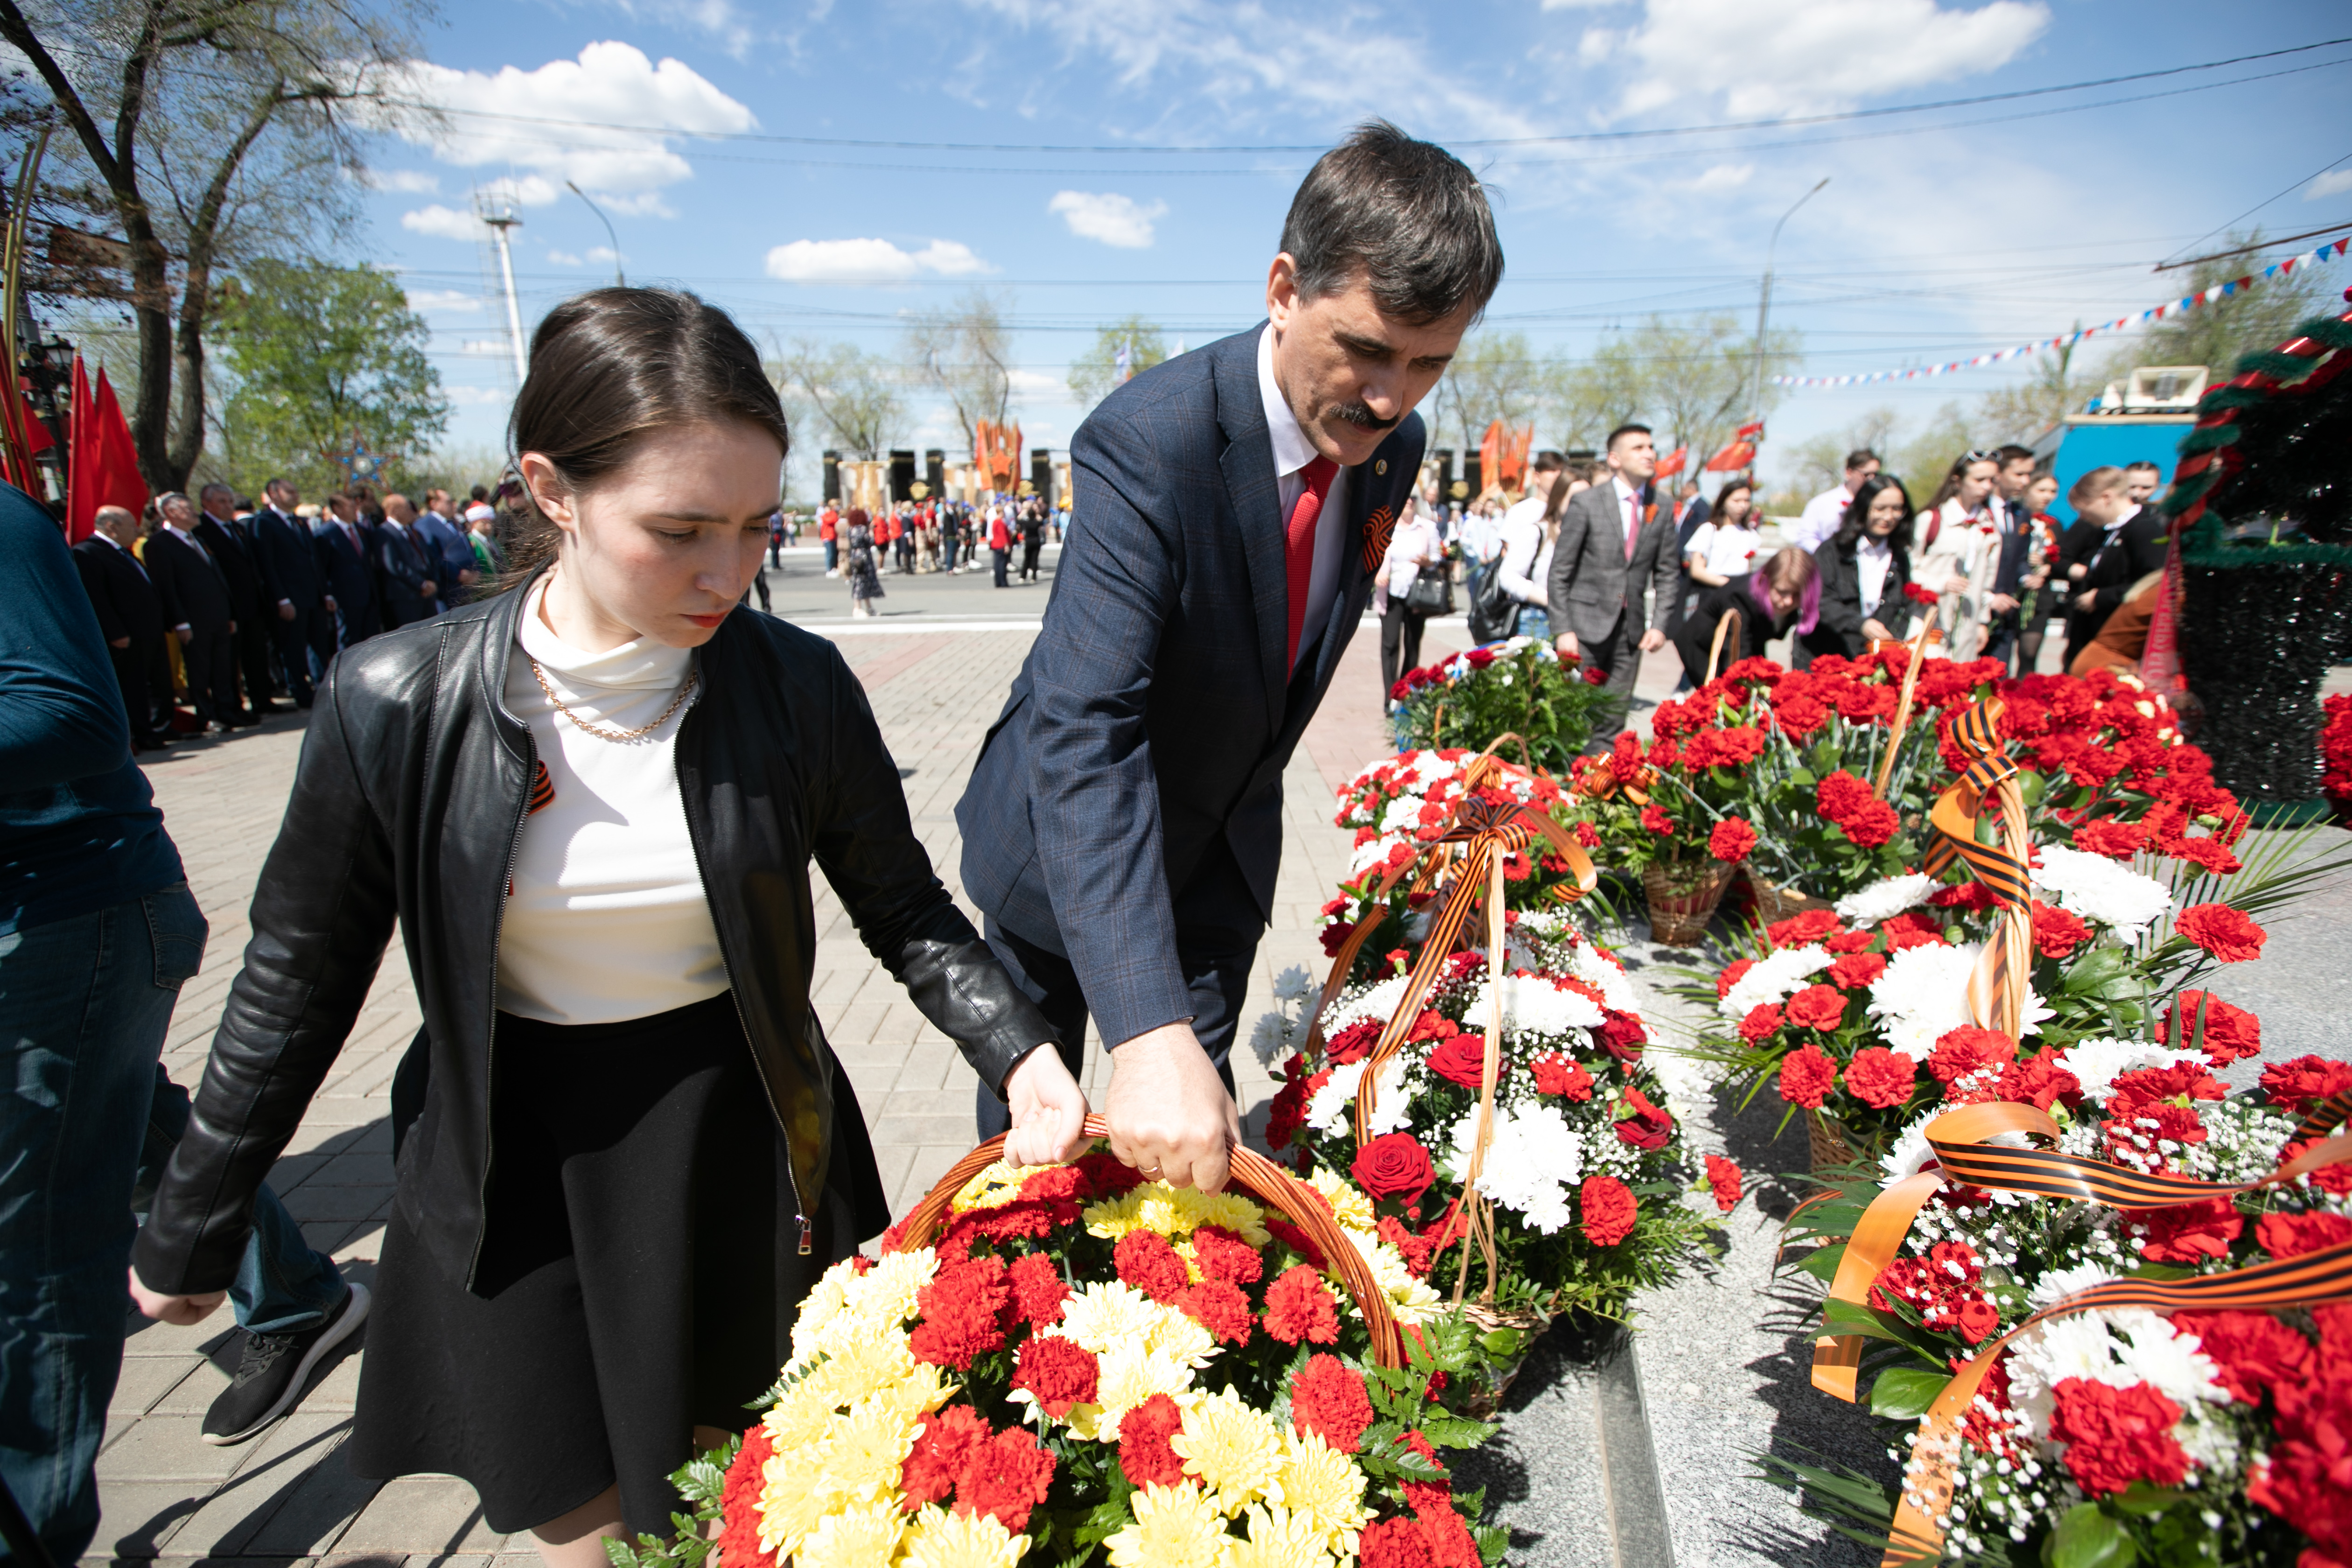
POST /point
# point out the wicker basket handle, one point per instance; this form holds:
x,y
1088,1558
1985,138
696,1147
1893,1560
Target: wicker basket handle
x,y
1252,1173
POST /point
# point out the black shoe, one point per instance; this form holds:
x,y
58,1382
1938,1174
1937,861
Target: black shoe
x,y
270,1378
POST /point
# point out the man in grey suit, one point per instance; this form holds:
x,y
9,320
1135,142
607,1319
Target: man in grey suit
x,y
1614,544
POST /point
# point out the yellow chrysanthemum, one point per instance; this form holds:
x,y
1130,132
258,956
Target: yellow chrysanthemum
x,y
992,1188
859,1366
862,1456
885,1294
864,1536
922,1389
791,1501
1105,1316
802,1417
826,1297
1228,1210
1179,1336
1231,1449
1323,1485
1175,1527
1124,1379
1351,1208
1278,1538
1413,1300
938,1539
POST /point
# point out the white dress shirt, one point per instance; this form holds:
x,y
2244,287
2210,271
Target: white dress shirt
x,y
1292,452
1822,516
1873,559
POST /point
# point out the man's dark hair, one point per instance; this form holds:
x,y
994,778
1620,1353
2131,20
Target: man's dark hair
x,y
481,492
1549,462
2010,453
1611,444
1858,457
272,482
1408,215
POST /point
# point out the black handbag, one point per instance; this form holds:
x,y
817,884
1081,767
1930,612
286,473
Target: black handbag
x,y
1493,611
1431,592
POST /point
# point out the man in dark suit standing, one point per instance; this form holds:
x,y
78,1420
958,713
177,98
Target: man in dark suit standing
x,y
347,562
196,602
131,614
2015,520
292,585
1612,555
230,543
405,567
1123,825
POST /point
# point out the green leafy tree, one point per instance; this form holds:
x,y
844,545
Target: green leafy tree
x,y
1094,372
314,352
2214,335
1699,375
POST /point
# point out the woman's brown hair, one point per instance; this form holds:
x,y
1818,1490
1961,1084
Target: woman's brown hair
x,y
609,368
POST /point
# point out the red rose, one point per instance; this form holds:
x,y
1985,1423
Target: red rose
x,y
1394,1165
1807,1076
2222,931
1596,677
2115,1437
1462,1058
1965,1049
1644,1125
1817,1007
2184,1233
2302,1085
1354,1043
2293,1235
1327,1397
1841,794
1856,971
1871,825
2057,932
1880,1077
1917,594
1621,1035
1732,839
1609,1210
1657,821
1723,1176
1801,929
1762,1021
1556,1074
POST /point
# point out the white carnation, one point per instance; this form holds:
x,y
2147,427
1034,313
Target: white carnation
x,y
2119,1348
1775,978
1884,899
1924,995
1270,1039
1604,975
1533,1004
2097,1063
2100,889
2062,1282
1403,815
1533,1164
1371,852
1376,1001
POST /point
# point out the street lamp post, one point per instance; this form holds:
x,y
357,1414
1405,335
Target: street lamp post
x,y
619,277
1764,302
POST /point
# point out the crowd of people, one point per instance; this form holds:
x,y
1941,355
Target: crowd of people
x,y
936,534
1598,557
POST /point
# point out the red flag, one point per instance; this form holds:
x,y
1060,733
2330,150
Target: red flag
x,y
1672,463
101,464
1732,459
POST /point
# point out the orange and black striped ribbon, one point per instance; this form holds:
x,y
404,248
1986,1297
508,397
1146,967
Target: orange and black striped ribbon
x,y
1976,732
543,788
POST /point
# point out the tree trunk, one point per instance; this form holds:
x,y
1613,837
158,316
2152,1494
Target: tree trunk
x,y
187,441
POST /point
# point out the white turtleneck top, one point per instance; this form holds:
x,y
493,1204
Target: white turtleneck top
x,y
606,919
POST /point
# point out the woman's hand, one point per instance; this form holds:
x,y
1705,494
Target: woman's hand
x,y
182,1311
1048,1109
1876,631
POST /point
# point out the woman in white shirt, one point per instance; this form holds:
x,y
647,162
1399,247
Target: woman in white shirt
x,y
1960,547
1526,559
1864,569
1413,548
1726,545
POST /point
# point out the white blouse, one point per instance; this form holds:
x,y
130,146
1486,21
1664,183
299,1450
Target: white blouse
x,y
606,919
1726,550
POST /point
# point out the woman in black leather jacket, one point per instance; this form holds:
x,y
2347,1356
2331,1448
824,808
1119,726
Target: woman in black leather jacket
x,y
624,1149
1872,545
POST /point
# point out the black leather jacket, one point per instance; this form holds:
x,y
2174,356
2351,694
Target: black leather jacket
x,y
409,803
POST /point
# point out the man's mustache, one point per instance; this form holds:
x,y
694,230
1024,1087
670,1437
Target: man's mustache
x,y
1361,416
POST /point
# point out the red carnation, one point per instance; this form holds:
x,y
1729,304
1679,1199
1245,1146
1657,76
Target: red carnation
x,y
1917,594
1143,1448
1657,821
2056,932
2184,1233
1817,1007
2138,1092
1289,1234
2293,1235
1849,941
2116,840
1450,1542
2222,931
1058,1373
1643,1125
1219,1306
1395,1543
2226,1034
1299,1308
1415,1249
1395,1165
941,1449
1462,1058
1221,1255
1038,1291
1731,976
1145,1259
1978,1317
2040,1081
2253,1351
1609,1210
1800,930
1857,971
1799,716
1328,1398
1912,928
2302,1085
1723,1176
1732,839
1840,795
739,1503
960,1309
1963,1050
1880,1077
1763,1020
1286,1115
1807,1076
1556,1074
1871,825
2115,1437
1007,1475
1107,1176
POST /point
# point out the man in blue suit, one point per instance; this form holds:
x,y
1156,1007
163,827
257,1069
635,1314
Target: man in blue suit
x,y
347,562
292,589
1123,825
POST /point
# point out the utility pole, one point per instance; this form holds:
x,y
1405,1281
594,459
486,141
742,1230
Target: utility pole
x,y
1764,302
619,278
499,214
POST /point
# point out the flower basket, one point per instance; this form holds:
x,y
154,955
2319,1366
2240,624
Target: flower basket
x,y
1519,686
1826,1143
1064,1364
1683,900
1775,903
1508,1338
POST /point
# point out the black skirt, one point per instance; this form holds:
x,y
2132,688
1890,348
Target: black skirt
x,y
640,1271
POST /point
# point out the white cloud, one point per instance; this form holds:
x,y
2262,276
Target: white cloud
x,y
603,253
1580,4
499,346
477,396
611,82
717,19
1772,57
564,259
409,182
442,300
1116,220
2329,186
869,261
1721,177
446,223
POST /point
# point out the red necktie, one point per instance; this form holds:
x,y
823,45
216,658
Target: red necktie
x,y
1298,544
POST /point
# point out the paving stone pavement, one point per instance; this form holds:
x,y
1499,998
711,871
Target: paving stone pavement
x,y
287,1496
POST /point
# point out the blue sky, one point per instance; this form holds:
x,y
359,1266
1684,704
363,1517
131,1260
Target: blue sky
x,y
1940,235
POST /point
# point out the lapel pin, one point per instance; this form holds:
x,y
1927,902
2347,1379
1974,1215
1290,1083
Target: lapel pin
x,y
1381,467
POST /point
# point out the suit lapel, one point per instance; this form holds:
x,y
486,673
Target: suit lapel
x,y
1256,496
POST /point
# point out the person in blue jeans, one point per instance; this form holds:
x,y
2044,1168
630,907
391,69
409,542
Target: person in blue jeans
x,y
98,931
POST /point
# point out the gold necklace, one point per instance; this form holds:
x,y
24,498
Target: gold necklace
x,y
599,731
